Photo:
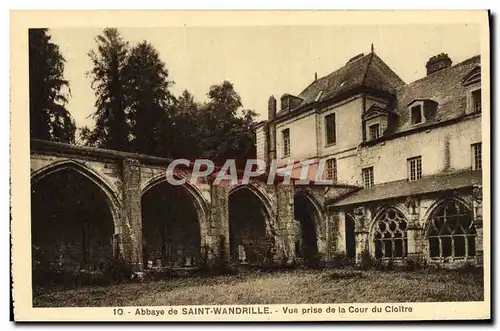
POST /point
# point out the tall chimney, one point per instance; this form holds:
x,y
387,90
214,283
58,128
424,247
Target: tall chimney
x,y
271,108
271,130
438,62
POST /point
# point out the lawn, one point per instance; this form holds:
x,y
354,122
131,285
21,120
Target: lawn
x,y
279,287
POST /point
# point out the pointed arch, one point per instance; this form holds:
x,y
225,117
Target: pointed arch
x,y
251,226
382,209
318,208
388,233
88,173
440,202
310,228
450,231
185,241
259,194
201,204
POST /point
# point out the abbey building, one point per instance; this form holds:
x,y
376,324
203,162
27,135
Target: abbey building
x,y
408,157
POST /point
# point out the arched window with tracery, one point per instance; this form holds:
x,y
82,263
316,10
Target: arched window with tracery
x,y
451,232
389,234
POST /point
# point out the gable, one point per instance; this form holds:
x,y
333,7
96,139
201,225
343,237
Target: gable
x,y
473,77
375,111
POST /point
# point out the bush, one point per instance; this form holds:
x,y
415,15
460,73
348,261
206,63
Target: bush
x,y
341,260
366,260
118,271
316,261
414,264
469,268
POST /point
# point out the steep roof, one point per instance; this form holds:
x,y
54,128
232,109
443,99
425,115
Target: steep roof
x,y
367,71
445,87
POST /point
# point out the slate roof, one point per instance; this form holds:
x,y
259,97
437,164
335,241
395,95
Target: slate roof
x,y
368,71
403,188
444,87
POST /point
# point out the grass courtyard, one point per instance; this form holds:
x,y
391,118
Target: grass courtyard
x,y
279,287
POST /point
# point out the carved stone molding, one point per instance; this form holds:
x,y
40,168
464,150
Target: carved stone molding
x,y
477,193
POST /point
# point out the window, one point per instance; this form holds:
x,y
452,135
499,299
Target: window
x,y
331,169
477,157
451,232
286,142
389,235
476,101
415,168
416,114
331,135
368,177
374,131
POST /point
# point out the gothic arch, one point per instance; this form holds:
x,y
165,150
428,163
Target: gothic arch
x,y
251,223
259,194
201,212
437,204
318,208
88,173
388,232
449,230
193,191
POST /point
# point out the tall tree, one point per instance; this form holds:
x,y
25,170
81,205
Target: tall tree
x,y
49,119
149,101
186,126
226,128
111,129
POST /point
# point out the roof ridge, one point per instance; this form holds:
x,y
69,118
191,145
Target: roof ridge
x,y
442,70
389,68
367,68
334,71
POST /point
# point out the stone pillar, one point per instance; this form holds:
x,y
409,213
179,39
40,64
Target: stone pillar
x,y
414,248
340,234
285,238
131,213
361,219
218,226
477,194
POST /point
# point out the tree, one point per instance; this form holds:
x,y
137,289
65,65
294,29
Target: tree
x,y
226,129
112,129
49,119
186,126
149,101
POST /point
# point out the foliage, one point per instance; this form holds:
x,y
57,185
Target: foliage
x,y
340,260
366,260
135,110
224,132
109,84
186,114
149,101
414,263
49,119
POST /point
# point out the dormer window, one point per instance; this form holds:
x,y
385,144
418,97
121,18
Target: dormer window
x,y
472,81
422,111
376,121
374,131
476,101
416,113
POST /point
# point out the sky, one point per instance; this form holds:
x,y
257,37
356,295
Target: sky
x,y
261,61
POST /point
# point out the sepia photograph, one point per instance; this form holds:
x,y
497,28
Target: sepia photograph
x,y
283,171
